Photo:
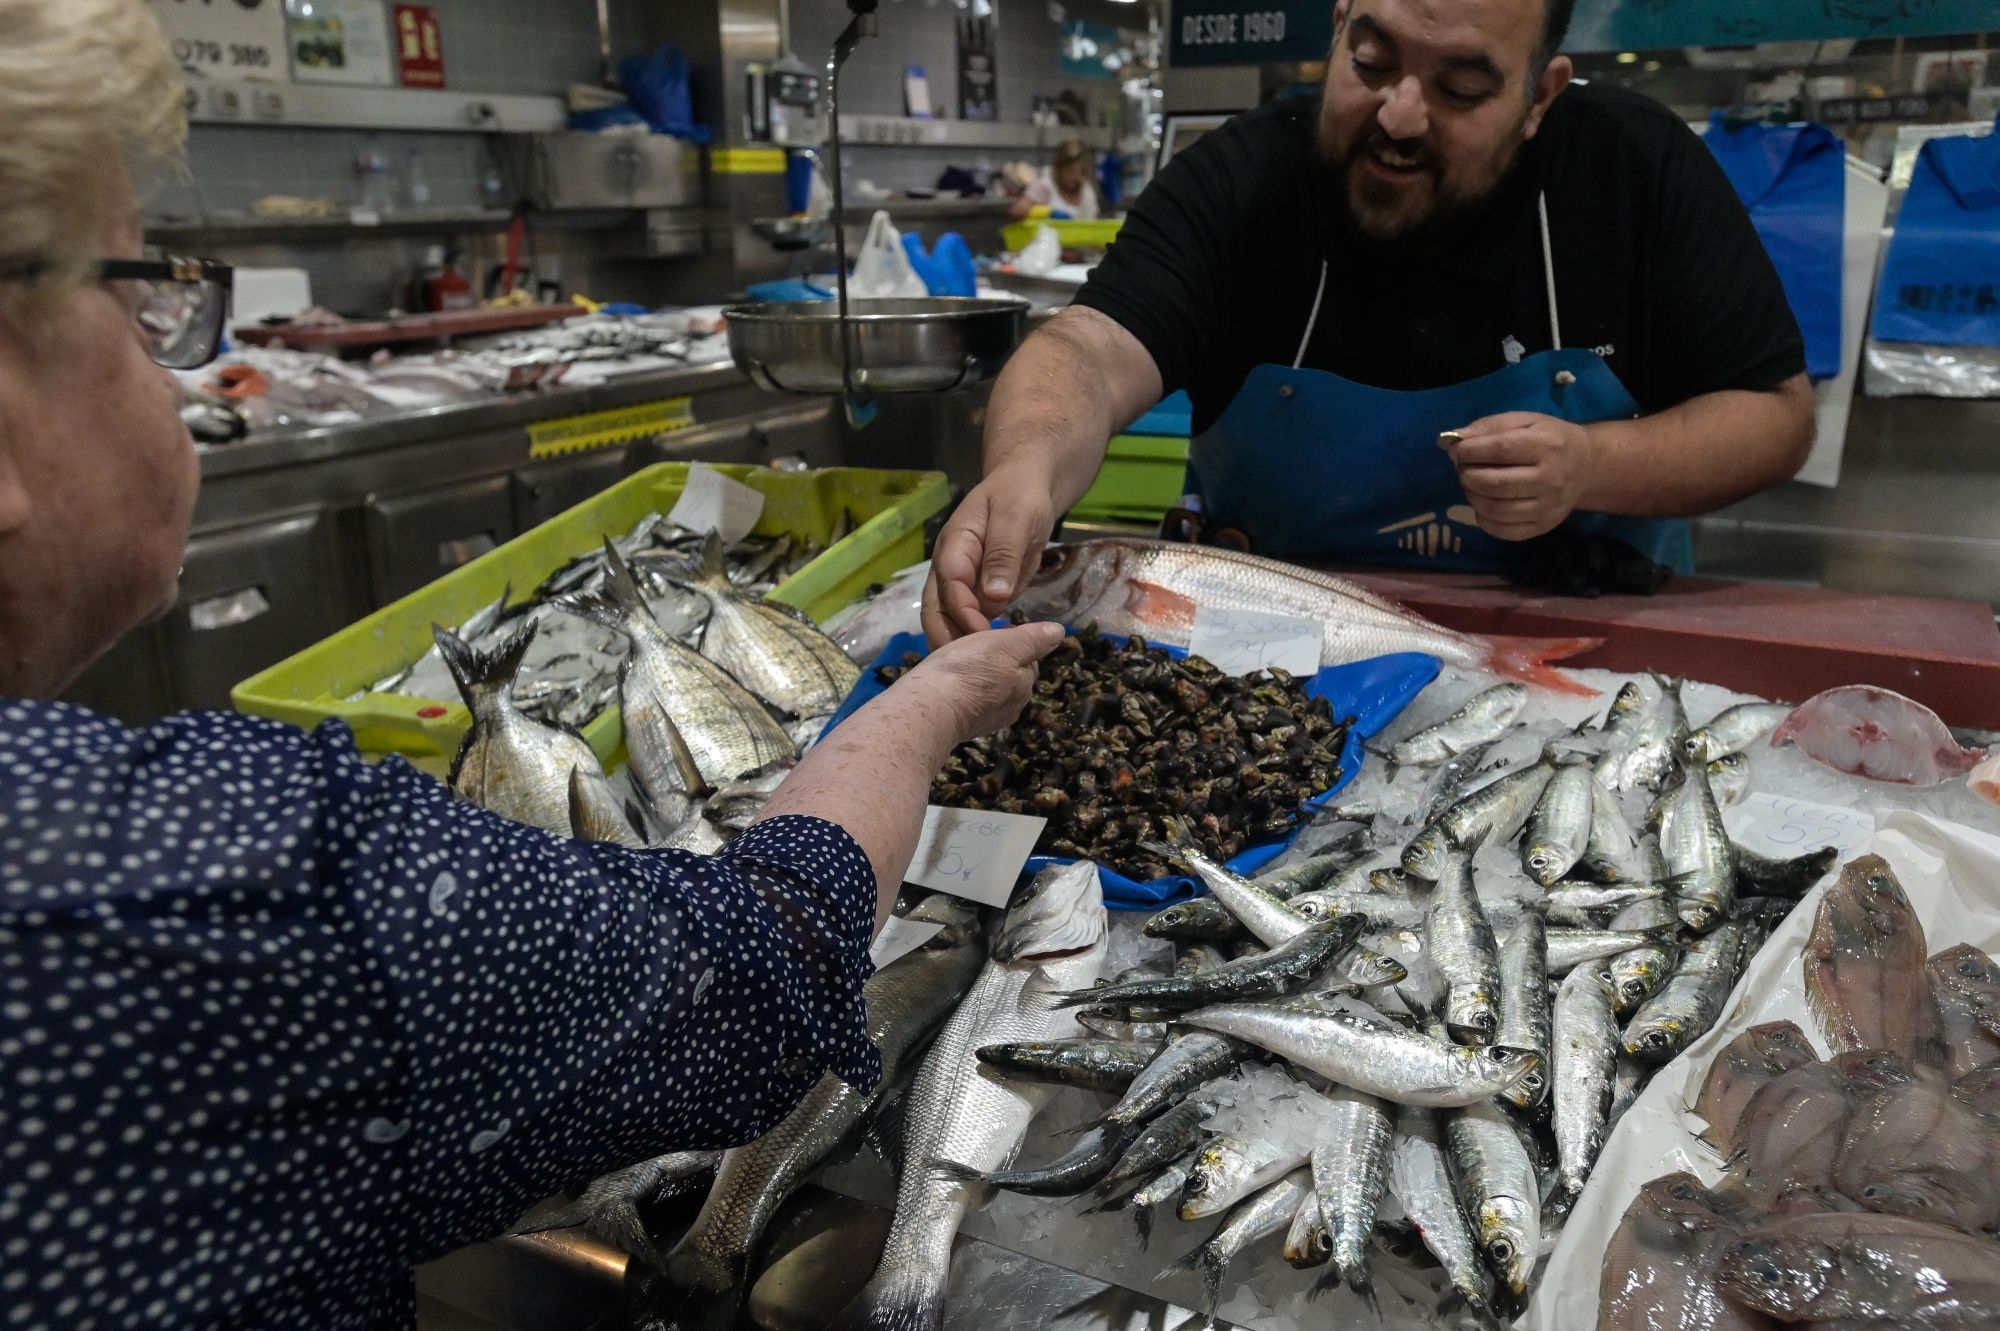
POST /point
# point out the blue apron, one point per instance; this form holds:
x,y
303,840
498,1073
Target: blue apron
x,y
1941,282
1308,465
1792,180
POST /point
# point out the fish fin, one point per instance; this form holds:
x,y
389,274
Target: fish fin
x,y
1527,659
954,1172
1142,1217
579,812
1211,1268
1391,769
1152,602
476,672
892,1309
711,569
617,1223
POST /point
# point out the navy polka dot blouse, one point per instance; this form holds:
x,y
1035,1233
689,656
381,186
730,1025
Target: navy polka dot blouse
x,y
277,1023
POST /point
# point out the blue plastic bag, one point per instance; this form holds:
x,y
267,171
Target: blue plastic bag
x,y
946,270
1793,181
1373,692
1941,283
657,86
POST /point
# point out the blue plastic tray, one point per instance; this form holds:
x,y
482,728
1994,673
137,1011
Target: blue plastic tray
x,y
1373,692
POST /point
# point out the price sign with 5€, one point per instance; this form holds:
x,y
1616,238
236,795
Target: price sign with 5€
x,y
1242,642
973,854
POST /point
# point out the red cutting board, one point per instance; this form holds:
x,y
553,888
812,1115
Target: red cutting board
x,y
410,328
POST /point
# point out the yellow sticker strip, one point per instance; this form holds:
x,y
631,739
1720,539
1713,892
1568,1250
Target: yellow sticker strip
x,y
602,429
747,161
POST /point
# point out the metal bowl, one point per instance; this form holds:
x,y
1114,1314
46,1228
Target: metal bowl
x,y
930,345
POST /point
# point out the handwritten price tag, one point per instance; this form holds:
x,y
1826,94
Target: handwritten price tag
x,y
1242,642
712,502
900,937
1781,828
975,855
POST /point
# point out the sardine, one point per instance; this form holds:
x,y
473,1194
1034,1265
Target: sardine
x,y
1260,1217
1499,1191
1350,1168
1202,920
1586,1055
1365,969
1643,971
1734,730
1865,976
1742,1067
1140,1205
1612,852
1464,957
1965,985
510,765
1282,970
1525,1020
1484,718
1262,912
727,729
1447,783
1647,753
1577,901
1189,1061
1700,857
783,659
1659,1268
1491,815
1559,827
1094,1065
1371,1056
1194,958
1628,1078
1570,948
1075,1171
1229,1169
1729,778
1150,589
609,1206
1853,1268
1164,1140
1113,1023
1308,1242
1420,1178
1684,1010
961,1113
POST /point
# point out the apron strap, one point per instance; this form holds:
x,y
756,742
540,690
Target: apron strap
x,y
1312,320
1549,274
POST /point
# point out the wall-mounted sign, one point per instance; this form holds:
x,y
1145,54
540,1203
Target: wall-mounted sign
x,y
1249,32
419,46
978,82
1622,25
340,41
243,39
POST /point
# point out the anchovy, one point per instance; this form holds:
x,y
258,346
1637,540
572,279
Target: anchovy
x,y
1524,1007
1585,1063
1559,828
1688,1006
1491,815
1420,1178
1255,1220
1700,857
1284,969
1350,1168
1734,730
1463,954
1499,1190
1367,1055
1484,718
1094,1065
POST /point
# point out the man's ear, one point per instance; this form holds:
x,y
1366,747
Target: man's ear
x,y
1548,87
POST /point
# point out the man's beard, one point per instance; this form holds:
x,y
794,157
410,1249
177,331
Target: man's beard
x,y
1373,205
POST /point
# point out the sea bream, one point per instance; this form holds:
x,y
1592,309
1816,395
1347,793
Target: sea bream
x,y
1150,589
963,1113
780,657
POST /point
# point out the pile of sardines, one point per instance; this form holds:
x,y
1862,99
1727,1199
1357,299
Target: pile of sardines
x,y
1412,1040
1123,741
1859,1190
715,707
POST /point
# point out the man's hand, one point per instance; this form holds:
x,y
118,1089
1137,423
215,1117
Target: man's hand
x,y
986,553
982,681
1522,472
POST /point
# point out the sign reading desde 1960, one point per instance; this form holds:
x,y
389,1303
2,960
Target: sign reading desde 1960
x,y
1229,29
1249,32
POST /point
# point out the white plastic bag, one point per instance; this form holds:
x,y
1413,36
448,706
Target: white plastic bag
x,y
1041,255
884,268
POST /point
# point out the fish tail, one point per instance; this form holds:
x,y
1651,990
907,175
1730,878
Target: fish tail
x,y
1142,1217
478,673
1527,659
953,1172
656,1302
618,600
617,1222
711,567
892,1302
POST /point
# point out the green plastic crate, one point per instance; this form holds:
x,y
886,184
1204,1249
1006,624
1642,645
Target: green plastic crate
x,y
1073,234
1143,476
891,508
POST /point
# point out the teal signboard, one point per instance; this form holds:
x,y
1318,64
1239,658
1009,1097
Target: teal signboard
x,y
1249,32
1643,25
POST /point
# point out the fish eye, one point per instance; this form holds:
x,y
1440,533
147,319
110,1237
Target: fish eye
x,y
1878,881
1502,1251
1767,1273
1683,1191
1969,968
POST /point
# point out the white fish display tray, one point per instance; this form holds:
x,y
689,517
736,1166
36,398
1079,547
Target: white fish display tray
x,y
1951,874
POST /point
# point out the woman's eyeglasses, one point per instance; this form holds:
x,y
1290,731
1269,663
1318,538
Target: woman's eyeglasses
x,y
182,305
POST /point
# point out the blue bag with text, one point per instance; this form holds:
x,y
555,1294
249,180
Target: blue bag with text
x,y
1374,692
1941,283
1793,181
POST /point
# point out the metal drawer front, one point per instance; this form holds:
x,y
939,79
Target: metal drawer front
x,y
416,538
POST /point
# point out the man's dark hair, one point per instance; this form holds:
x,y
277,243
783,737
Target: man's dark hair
x,y
1555,28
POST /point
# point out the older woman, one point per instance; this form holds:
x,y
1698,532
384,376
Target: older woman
x,y
1066,187
277,1023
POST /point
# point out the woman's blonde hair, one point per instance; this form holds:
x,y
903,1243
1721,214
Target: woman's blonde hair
x,y
1072,151
83,84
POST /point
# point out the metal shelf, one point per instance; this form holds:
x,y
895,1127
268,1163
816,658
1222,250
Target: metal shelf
x,y
862,131
243,228
324,106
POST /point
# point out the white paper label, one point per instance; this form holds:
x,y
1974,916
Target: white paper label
x,y
1781,828
244,39
341,41
712,502
973,854
1241,642
900,937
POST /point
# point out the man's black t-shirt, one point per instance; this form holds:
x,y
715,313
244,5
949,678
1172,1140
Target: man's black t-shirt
x,y
1658,268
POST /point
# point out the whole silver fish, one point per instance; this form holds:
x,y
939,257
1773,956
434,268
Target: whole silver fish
x,y
1484,718
510,765
1372,1056
1163,1186
1524,1007
1647,752
1264,913
1464,955
1570,948
1350,1168
1260,1217
1735,730
1446,783
1285,969
961,1112
1491,815
1317,870
609,1205
1700,857
1586,1058
1729,778
1189,1061
1092,1064
1420,1178
1583,905
1559,827
1166,1139
1612,854
1687,1007
709,1268
1499,1190
784,660
1366,969
1229,1169
1642,971
1308,1243
727,729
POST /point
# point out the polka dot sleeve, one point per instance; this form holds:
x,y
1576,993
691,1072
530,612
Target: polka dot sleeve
x,y
276,1023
